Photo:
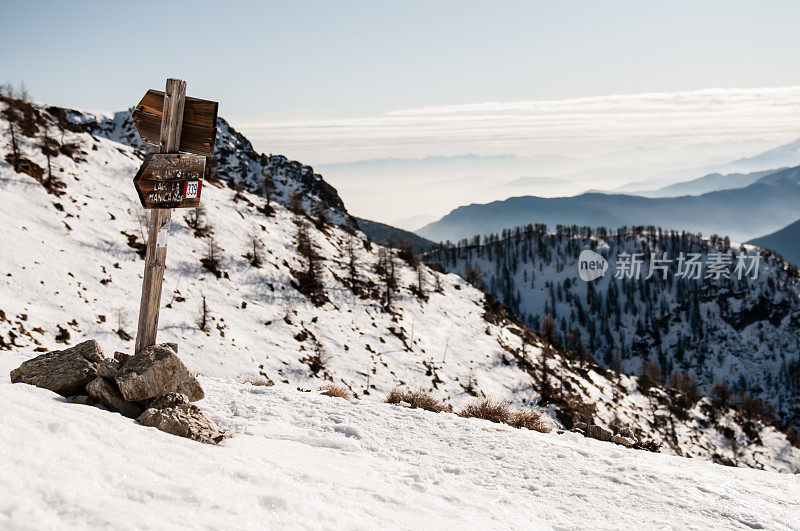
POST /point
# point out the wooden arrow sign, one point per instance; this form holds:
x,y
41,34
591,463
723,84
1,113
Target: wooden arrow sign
x,y
199,122
170,180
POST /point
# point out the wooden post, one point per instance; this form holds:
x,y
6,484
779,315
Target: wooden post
x,y
156,255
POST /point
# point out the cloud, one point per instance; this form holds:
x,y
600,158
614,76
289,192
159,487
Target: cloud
x,y
535,181
575,125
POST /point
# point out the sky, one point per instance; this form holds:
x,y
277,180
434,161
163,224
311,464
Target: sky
x,y
642,87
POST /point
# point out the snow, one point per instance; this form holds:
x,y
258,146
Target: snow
x,y
298,459
301,460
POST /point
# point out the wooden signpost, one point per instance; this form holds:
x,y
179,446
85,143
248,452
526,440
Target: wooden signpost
x,y
168,180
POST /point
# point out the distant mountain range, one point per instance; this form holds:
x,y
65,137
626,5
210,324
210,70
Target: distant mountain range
x,y
783,156
785,242
709,183
764,206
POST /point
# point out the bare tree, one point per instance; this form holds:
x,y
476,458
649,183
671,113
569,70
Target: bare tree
x,y
49,148
649,374
549,329
352,262
255,251
387,270
407,252
212,259
437,283
720,394
296,202
267,184
473,275
12,115
310,279
616,363
196,219
204,313
421,281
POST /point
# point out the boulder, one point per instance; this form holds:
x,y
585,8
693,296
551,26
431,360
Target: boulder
x,y
582,426
106,393
168,400
108,369
598,432
156,371
185,420
624,441
65,372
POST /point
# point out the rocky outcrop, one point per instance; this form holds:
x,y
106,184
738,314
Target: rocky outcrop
x,y
184,420
154,372
599,433
623,436
65,372
624,441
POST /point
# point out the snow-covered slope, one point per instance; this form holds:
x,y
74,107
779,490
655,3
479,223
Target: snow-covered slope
x,y
300,460
72,271
745,331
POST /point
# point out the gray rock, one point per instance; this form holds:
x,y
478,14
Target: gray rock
x,y
108,369
626,432
185,420
156,371
121,357
168,400
598,432
81,399
65,372
581,426
624,441
105,392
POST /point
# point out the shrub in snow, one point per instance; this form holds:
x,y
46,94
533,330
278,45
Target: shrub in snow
x,y
496,411
529,419
649,374
487,409
416,398
335,390
720,394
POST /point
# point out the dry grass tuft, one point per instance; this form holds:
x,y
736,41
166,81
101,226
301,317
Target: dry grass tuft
x,y
258,381
417,399
496,411
529,419
486,409
335,390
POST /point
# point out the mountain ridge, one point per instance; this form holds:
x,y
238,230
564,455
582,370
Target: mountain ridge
x,y
741,213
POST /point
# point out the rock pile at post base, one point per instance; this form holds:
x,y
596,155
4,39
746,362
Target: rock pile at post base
x,y
154,386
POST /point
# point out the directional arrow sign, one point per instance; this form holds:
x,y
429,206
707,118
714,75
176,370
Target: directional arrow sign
x,y
170,180
199,122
